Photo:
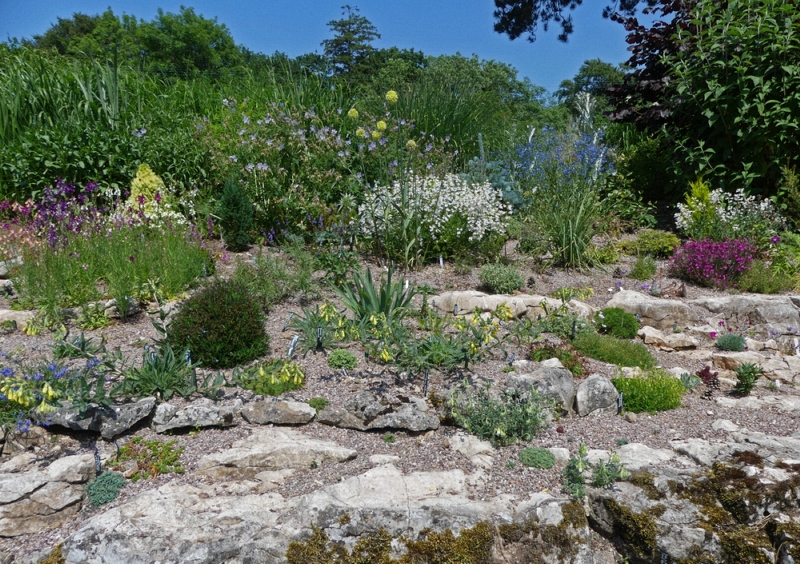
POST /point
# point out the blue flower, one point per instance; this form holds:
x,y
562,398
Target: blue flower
x,y
7,372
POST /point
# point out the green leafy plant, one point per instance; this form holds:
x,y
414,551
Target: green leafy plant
x,y
77,347
535,457
321,328
643,269
222,325
505,419
651,242
342,359
270,279
572,476
393,299
318,403
604,474
336,263
152,457
540,352
615,351
747,375
163,372
731,342
273,378
389,438
761,279
105,488
235,216
655,390
616,322
690,381
500,279
93,316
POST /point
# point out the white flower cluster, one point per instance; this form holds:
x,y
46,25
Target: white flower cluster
x,y
736,211
433,202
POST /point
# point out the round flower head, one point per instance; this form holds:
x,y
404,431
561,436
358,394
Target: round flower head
x,y
391,97
381,125
376,134
360,132
353,113
411,144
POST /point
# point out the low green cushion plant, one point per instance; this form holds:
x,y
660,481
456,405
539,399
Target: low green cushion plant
x,y
731,342
341,358
535,457
655,390
617,322
615,351
643,269
500,279
274,378
222,325
105,488
652,242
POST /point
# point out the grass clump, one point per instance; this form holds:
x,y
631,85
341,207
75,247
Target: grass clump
x,y
500,279
613,350
643,269
616,322
503,420
652,242
105,488
572,362
761,279
222,326
656,390
274,378
535,457
271,279
731,342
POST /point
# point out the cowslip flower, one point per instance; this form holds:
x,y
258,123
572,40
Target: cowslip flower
x,y
391,97
352,113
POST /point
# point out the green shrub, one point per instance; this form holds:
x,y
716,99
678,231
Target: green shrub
x,y
235,216
643,269
502,420
105,488
747,374
615,351
761,279
731,342
607,254
655,390
318,403
535,457
273,378
500,279
341,358
222,325
617,322
652,242
541,352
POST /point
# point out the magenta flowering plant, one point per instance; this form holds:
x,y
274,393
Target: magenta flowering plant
x,y
712,263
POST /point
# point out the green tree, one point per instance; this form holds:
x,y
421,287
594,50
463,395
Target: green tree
x,y
352,40
64,32
594,77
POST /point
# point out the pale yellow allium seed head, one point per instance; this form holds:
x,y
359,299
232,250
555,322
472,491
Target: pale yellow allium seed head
x,y
381,125
353,113
411,144
391,97
360,132
376,135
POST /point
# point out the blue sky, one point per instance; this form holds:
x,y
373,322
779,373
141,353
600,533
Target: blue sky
x,y
436,27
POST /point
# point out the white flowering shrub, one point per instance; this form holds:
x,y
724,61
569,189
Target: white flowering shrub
x,y
419,218
722,215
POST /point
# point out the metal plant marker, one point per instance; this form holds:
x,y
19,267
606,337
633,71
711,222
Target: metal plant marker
x,y
425,384
293,345
288,321
511,360
619,403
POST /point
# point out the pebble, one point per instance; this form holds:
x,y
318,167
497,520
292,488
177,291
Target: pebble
x,y
631,417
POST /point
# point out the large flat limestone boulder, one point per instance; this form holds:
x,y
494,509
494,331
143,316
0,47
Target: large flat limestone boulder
x,y
655,312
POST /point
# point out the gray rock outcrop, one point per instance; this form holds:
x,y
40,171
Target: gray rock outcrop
x,y
555,383
278,412
596,396
655,312
109,421
201,413
366,411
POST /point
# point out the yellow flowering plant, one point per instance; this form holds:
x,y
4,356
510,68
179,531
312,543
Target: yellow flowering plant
x,y
391,97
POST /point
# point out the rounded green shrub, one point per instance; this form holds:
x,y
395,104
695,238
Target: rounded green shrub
x,y
616,322
535,457
500,279
105,488
222,326
613,350
652,242
643,269
731,342
341,358
655,390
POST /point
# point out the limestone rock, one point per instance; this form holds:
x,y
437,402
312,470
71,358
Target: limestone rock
x,y
278,412
554,383
108,421
596,395
367,411
271,449
479,452
380,459
667,341
655,312
18,317
413,416
41,498
521,305
202,413
766,313
20,441
727,360
636,455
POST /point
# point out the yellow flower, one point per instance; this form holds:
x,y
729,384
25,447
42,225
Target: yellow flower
x,y
391,97
385,356
376,135
353,113
360,132
381,125
411,144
